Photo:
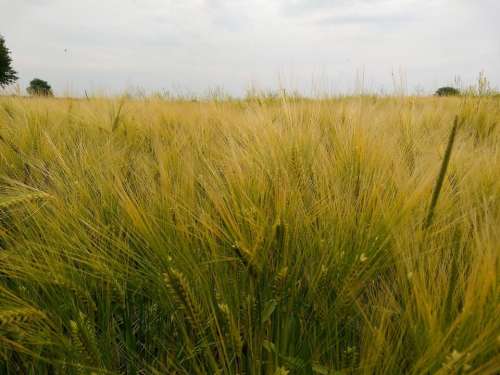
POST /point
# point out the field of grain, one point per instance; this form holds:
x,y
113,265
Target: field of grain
x,y
288,236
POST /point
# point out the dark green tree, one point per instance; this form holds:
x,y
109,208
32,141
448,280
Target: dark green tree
x,y
7,74
447,91
39,87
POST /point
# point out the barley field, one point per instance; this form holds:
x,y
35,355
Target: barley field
x,y
356,235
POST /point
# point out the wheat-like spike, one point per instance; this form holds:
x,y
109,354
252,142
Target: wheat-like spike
x,y
18,316
234,331
11,145
321,289
8,202
84,342
180,290
349,357
279,283
247,259
88,331
238,340
77,343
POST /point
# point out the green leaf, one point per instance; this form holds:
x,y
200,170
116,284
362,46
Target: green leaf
x,y
323,370
269,309
269,346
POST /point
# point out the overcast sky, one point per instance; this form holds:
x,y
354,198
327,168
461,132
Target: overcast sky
x,y
191,46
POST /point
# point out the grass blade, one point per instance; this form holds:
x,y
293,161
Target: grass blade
x,y
442,174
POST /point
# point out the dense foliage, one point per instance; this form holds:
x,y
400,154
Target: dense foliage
x,y
447,91
258,237
39,87
7,74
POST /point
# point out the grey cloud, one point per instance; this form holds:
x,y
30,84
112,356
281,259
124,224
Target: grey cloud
x,y
197,44
304,7
376,15
37,2
387,21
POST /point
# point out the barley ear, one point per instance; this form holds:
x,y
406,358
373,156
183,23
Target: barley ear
x,y
182,295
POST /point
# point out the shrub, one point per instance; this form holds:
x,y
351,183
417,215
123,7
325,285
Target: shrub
x,y
39,87
447,91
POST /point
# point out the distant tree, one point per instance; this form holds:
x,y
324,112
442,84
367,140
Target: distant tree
x,y
7,74
447,91
39,87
